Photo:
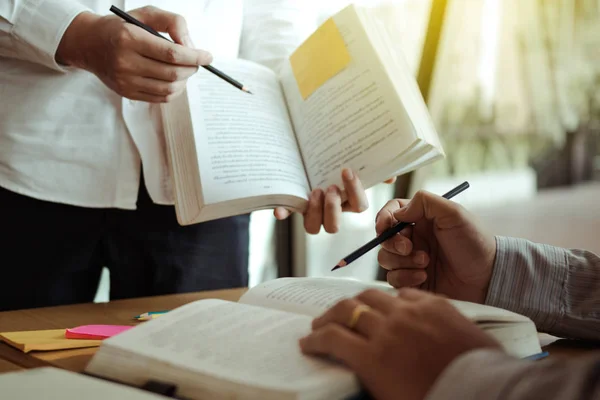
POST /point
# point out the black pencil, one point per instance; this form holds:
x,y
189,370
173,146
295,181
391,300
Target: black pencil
x,y
387,234
220,74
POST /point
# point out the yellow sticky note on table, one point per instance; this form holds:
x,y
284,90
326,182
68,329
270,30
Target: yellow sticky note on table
x,y
319,58
45,340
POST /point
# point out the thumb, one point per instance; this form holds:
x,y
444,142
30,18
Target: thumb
x,y
165,21
425,205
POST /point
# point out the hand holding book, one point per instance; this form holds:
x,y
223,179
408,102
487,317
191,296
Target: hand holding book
x,y
325,207
355,105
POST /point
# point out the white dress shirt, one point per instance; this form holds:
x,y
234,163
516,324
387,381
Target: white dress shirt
x,y
66,138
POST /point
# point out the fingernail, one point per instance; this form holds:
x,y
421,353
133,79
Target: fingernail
x,y
400,247
331,189
347,174
420,258
205,57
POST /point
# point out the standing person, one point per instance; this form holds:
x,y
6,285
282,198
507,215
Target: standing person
x,y
84,179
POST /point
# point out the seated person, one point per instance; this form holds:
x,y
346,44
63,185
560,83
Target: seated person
x,y
418,346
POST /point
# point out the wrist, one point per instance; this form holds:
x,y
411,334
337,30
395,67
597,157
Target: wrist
x,y
71,49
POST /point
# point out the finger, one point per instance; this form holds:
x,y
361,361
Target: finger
x,y
367,324
332,209
149,68
377,300
170,53
357,198
425,205
399,244
313,216
164,21
391,180
157,87
281,213
412,294
385,217
340,343
400,278
390,261
148,98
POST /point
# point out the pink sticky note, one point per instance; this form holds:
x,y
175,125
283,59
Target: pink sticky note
x,y
96,332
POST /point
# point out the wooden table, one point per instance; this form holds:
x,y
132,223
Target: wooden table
x,y
7,366
121,313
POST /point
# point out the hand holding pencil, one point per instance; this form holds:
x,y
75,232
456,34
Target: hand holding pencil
x,y
390,232
180,38
131,62
446,251
129,56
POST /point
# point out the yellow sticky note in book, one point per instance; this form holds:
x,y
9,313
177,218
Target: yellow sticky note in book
x,y
319,58
45,340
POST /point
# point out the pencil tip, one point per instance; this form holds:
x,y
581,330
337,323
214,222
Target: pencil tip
x,y
245,89
341,264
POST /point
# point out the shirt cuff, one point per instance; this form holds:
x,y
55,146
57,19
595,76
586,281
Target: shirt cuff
x,y
529,279
40,26
478,374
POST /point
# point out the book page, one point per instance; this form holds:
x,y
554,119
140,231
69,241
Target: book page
x,y
245,142
308,296
313,296
54,383
353,120
238,343
484,313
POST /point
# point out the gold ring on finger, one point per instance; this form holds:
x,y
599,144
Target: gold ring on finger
x,y
358,310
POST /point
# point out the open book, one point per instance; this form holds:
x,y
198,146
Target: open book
x,y
215,349
355,104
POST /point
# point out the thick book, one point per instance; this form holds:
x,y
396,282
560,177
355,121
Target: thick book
x,y
344,98
216,349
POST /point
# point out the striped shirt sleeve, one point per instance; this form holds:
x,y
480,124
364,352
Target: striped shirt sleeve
x,y
558,289
493,375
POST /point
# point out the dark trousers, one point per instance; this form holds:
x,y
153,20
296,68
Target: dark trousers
x,y
53,254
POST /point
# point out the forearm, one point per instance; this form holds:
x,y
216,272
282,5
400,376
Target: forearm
x,y
557,288
31,30
493,375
